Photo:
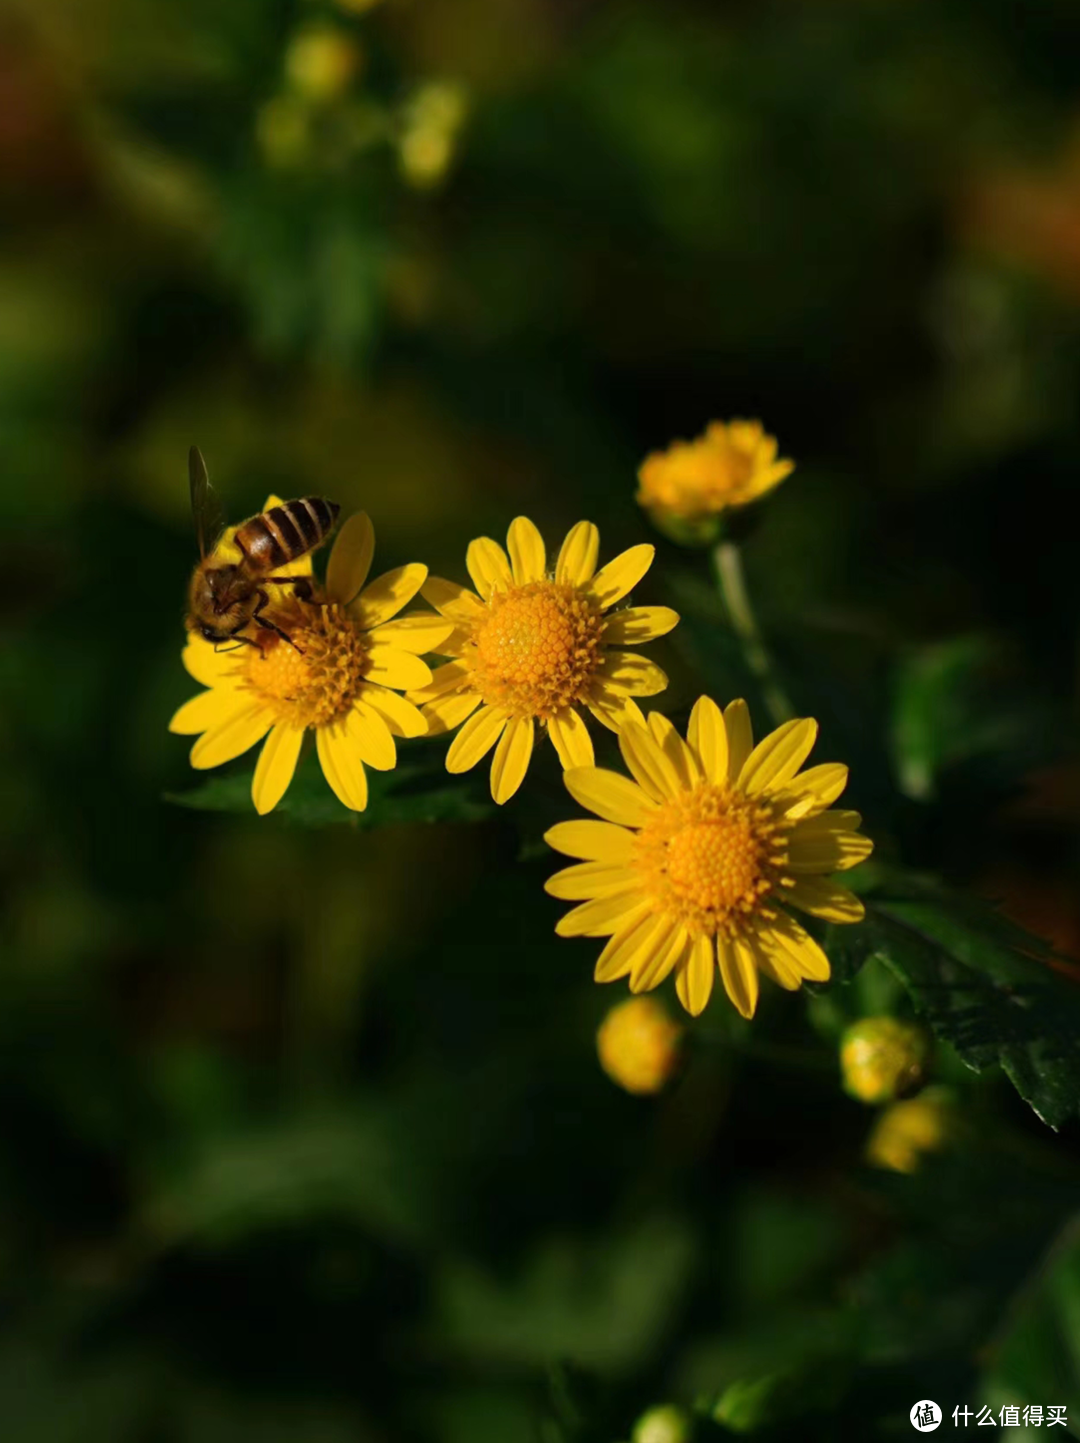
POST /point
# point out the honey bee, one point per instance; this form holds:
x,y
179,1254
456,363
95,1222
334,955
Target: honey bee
x,y
226,596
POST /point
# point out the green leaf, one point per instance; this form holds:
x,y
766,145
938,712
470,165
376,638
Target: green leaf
x,y
983,984
599,1305
1036,1356
949,709
418,791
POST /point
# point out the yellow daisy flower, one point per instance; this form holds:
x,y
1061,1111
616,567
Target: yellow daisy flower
x,y
337,679
532,646
730,465
691,859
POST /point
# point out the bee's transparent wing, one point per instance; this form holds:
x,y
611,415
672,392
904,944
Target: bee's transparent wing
x,y
206,507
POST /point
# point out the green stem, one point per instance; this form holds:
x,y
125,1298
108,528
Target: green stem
x,y
731,579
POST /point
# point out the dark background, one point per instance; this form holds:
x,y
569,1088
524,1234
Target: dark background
x,y
302,1135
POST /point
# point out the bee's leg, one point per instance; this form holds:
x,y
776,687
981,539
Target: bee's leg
x,y
302,588
265,622
238,640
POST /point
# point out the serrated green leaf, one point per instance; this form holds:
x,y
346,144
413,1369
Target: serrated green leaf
x,y
983,985
418,791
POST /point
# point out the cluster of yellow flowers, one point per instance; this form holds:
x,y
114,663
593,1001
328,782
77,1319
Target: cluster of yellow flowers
x,y
690,861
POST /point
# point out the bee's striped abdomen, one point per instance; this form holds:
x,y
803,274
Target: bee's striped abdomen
x,y
286,532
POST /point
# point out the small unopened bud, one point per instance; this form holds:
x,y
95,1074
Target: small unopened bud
x,y
639,1045
883,1058
322,62
662,1425
907,1130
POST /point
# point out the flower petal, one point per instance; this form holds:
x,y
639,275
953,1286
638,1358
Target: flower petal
x,y
528,556
402,717
475,739
275,767
350,560
777,757
785,938
825,899
707,735
488,566
611,709
827,843
600,917
231,737
390,666
576,565
668,946
588,879
617,957
740,736
592,841
511,759
682,758
387,594
445,679
342,767
738,973
457,603
418,632
694,979
647,763
613,797
369,734
208,710
570,738
809,793
447,712
775,962
206,664
612,582
631,674
638,624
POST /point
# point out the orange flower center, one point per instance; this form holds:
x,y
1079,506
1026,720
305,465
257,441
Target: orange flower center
x,y
317,678
711,858
537,648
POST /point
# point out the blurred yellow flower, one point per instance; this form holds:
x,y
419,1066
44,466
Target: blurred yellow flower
x,y
638,1045
907,1130
882,1058
536,646
732,464
430,126
336,679
691,859
321,62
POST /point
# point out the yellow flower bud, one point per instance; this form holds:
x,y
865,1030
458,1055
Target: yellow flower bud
x,y
882,1058
732,464
430,127
662,1425
907,1130
321,63
638,1045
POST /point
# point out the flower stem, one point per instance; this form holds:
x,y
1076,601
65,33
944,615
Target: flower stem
x,y
731,579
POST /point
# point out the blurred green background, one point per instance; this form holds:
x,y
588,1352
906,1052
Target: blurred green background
x,y
302,1133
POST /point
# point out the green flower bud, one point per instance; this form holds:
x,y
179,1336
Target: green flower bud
x,y
667,1424
883,1058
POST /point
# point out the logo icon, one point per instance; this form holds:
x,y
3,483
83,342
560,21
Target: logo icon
x,y
925,1416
